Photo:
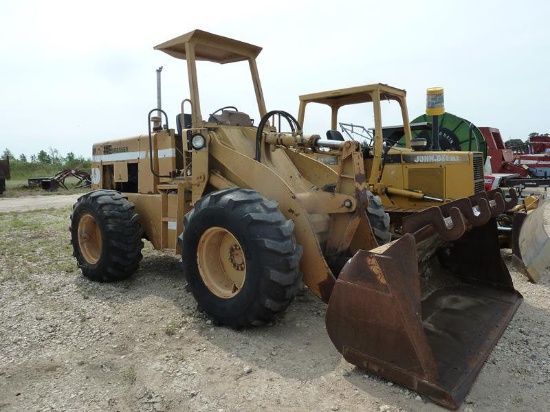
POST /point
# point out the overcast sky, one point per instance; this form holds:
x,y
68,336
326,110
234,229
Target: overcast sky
x,y
77,72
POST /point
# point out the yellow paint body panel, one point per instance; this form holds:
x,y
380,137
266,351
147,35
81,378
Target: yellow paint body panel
x,y
414,177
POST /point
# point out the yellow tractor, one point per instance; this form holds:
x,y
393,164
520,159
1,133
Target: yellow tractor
x,y
405,175
252,217
405,179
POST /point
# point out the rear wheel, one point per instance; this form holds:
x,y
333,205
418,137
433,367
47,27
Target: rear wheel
x,y
106,236
240,257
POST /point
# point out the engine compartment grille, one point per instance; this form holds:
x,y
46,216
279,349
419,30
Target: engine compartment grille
x,y
479,181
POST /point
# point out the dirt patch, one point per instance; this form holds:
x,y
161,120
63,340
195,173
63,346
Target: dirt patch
x,y
141,345
21,204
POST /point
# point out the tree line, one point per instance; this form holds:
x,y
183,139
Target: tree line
x,y
44,163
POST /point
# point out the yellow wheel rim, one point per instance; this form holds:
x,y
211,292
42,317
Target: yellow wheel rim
x,y
221,262
89,239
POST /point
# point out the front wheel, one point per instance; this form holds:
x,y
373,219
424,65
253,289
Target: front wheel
x,y
240,257
106,236
379,220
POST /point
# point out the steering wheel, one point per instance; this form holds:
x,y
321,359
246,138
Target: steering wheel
x,y
223,108
294,125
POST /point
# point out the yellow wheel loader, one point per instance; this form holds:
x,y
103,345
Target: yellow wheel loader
x,y
406,176
253,217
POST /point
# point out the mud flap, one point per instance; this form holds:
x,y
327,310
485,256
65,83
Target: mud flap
x,y
429,331
530,243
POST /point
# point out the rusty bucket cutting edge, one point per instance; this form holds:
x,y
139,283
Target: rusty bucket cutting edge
x,y
531,243
436,345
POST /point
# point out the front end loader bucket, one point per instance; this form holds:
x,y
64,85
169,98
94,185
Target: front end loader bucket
x,y
432,329
49,185
530,242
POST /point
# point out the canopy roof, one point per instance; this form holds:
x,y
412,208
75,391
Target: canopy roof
x,y
353,95
210,47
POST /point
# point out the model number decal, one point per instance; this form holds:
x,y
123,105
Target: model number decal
x,y
109,149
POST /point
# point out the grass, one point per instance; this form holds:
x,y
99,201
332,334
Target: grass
x,y
39,241
32,241
172,327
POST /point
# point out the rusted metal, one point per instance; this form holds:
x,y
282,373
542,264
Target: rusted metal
x,y
4,173
5,168
495,197
477,214
449,228
514,198
429,331
50,184
450,219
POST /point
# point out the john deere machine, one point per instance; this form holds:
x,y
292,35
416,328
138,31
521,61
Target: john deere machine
x,y
404,179
408,171
253,215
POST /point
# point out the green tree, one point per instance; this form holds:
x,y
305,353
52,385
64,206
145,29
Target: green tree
x,y
44,158
70,158
23,158
513,143
74,162
8,153
55,157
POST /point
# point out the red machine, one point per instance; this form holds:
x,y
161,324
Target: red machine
x,y
537,158
538,144
502,159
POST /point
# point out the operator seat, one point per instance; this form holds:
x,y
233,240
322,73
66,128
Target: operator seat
x,y
186,122
186,125
335,135
179,138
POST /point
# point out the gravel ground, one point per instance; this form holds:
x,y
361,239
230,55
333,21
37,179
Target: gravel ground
x,y
68,344
19,204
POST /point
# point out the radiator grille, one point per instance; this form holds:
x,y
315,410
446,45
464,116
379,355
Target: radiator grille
x,y
479,181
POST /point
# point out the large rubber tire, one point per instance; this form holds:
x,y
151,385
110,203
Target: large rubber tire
x,y
240,257
379,220
106,236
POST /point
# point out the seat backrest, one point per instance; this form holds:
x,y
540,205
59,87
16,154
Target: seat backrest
x,y
186,122
231,118
334,135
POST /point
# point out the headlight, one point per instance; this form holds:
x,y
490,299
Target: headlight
x,y
198,142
